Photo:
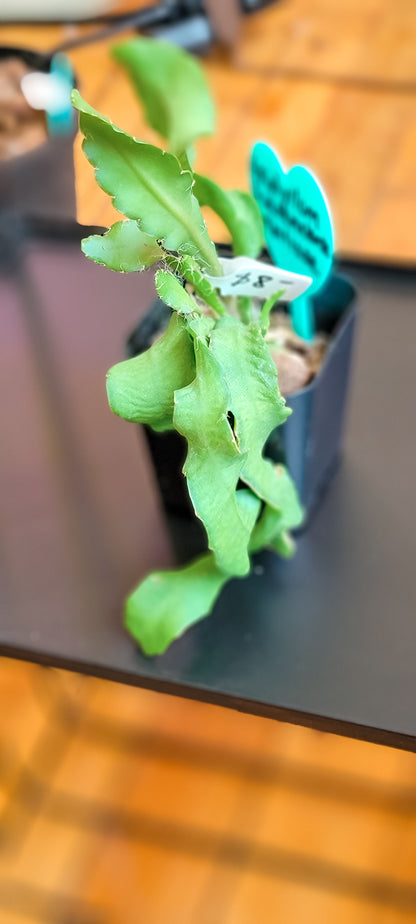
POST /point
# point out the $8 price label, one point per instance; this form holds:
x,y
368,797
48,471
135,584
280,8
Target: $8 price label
x,y
244,276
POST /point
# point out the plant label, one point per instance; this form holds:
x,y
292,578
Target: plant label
x,y
245,276
297,222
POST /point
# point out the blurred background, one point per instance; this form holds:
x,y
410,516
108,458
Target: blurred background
x,y
122,805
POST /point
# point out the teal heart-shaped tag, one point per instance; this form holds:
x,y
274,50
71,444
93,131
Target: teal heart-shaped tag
x,y
297,226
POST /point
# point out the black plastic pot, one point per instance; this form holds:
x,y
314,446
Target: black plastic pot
x,y
309,442
40,183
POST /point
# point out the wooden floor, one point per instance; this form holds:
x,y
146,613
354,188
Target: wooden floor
x,y
120,806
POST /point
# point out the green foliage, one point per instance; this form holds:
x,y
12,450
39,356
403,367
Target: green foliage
x,y
186,111
203,287
166,603
142,389
274,523
124,248
283,544
213,458
170,290
267,308
210,376
146,184
255,401
239,212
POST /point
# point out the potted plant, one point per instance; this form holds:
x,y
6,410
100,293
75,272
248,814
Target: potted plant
x,y
313,373
36,148
208,375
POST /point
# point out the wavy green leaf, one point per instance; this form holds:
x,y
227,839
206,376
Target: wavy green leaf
x,y
284,544
255,401
166,603
124,248
239,212
171,85
249,507
142,389
199,326
273,524
146,184
172,292
213,463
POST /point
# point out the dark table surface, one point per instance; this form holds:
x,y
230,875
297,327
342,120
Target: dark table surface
x,y
327,639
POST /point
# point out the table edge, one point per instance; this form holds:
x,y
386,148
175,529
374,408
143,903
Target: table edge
x,y
329,725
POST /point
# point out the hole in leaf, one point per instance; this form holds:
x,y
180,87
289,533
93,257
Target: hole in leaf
x,y
231,420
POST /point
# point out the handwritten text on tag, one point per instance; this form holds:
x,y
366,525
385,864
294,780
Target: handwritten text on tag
x,y
297,220
244,276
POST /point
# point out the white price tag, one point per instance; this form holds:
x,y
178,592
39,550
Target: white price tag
x,y
244,276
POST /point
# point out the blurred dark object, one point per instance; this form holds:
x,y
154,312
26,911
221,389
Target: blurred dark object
x,y
192,24
21,127
197,23
12,235
40,182
225,18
